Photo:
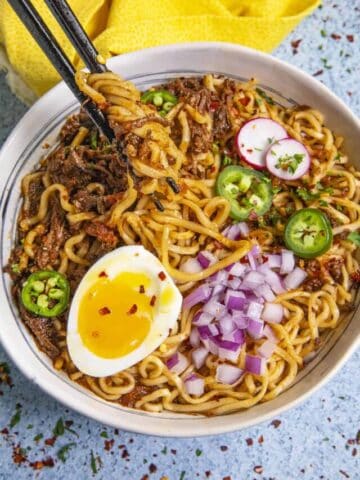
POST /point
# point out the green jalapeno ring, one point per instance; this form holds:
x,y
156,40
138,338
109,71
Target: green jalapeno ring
x,y
308,233
43,287
247,190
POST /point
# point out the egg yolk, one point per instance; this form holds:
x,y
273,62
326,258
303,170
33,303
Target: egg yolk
x,y
115,314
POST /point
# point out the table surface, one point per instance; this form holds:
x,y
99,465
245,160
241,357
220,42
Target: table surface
x,y
318,440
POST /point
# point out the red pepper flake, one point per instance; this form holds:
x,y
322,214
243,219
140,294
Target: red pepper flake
x,y
249,442
354,452
116,431
214,106
223,448
276,423
5,431
50,441
335,36
227,477
258,469
344,473
133,309
231,277
207,473
162,276
152,468
103,274
39,464
249,150
173,451
142,289
295,45
108,444
350,38
125,454
244,101
355,276
145,477
261,439
18,456
319,72
153,300
104,311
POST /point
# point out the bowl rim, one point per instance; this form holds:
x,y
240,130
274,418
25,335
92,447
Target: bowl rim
x,y
207,428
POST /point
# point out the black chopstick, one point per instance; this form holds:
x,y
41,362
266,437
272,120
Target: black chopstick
x,y
35,25
76,34
84,47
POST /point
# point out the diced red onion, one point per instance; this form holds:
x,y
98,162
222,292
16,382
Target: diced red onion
x,y
255,328
295,278
235,300
254,310
215,308
272,313
230,355
228,374
199,295
207,331
252,261
218,278
213,346
226,324
218,289
269,334
287,261
177,363
240,319
194,337
272,279
266,349
233,232
237,269
273,261
255,364
199,356
234,283
253,279
236,336
206,258
266,292
194,385
191,266
202,318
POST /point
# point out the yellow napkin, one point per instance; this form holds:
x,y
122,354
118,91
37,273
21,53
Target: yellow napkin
x,y
118,26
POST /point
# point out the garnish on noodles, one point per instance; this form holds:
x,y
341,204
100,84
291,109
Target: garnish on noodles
x,y
260,240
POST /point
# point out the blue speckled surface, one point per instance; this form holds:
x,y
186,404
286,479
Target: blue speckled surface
x,y
319,440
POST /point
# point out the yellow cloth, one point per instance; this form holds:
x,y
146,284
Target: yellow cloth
x,y
119,26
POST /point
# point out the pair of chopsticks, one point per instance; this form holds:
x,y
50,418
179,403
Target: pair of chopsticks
x,y
85,49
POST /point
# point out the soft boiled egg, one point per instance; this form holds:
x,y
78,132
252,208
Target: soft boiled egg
x,y
122,310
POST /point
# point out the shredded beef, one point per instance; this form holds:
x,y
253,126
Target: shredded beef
x,y
313,284
201,138
68,169
334,266
43,330
103,233
222,125
75,273
47,254
139,391
70,129
36,188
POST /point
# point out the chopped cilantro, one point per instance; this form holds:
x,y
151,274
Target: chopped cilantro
x,y
306,194
16,417
227,160
104,434
258,101
326,439
338,156
182,475
265,96
354,237
270,140
198,452
323,203
164,450
93,140
62,453
38,437
93,462
30,426
15,268
276,190
59,428
290,162
323,33
326,65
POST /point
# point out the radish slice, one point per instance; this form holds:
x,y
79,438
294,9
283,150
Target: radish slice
x,y
288,159
254,138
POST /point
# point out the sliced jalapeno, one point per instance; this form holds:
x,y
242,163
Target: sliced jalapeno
x,y
308,233
46,293
247,190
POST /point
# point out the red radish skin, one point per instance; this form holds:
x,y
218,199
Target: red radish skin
x,y
287,147
254,138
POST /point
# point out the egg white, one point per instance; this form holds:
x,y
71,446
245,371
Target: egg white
x,y
134,259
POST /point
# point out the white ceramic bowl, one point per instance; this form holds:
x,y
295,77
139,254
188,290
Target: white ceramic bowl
x,y
41,124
